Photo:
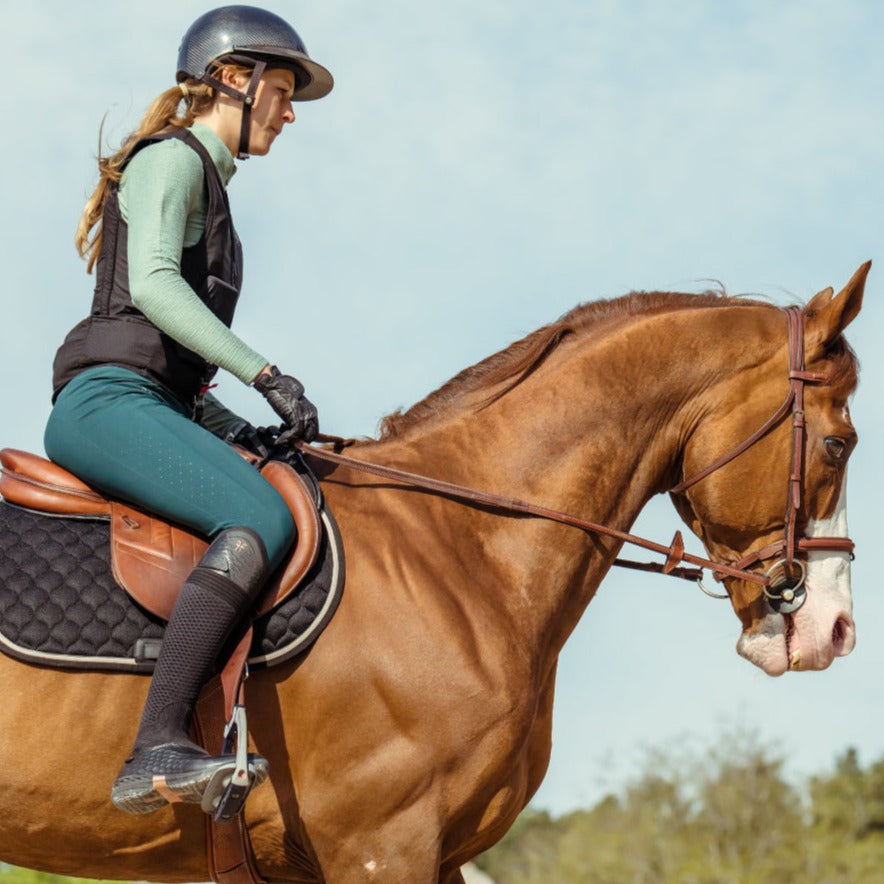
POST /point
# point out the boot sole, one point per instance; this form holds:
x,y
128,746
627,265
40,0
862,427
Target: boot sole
x,y
141,793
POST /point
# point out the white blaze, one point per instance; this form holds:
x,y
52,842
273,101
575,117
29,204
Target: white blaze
x,y
828,572
823,626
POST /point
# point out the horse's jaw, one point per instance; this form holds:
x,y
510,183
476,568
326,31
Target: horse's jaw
x,y
822,628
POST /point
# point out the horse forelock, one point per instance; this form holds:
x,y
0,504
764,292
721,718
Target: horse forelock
x,y
511,366
842,366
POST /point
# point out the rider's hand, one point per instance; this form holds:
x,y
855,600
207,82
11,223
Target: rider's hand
x,y
286,397
257,440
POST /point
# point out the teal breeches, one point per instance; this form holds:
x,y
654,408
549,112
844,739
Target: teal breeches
x,y
133,440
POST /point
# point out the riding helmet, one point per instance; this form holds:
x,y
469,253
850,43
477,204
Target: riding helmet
x,y
249,35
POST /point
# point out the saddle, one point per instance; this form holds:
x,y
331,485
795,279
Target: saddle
x,y
150,557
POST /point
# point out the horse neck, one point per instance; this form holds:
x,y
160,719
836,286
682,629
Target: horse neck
x,y
594,431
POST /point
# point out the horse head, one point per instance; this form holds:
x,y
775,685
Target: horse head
x,y
778,505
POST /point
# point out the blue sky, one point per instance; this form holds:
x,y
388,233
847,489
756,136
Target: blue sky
x,y
478,170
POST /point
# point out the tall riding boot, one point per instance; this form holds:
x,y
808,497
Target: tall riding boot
x,y
218,593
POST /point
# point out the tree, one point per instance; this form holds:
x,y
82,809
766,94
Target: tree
x,y
724,816
847,821
15,875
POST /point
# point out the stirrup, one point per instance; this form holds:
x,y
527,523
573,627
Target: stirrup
x,y
228,789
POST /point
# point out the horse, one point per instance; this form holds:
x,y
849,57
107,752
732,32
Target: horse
x,y
418,726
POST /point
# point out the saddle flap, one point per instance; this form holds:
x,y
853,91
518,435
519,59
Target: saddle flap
x,y
36,483
151,558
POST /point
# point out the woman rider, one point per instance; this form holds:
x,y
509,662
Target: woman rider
x,y
131,414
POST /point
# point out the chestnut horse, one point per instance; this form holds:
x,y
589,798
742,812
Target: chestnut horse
x,y
418,726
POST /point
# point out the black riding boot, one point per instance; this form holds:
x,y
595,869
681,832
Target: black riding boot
x,y
217,595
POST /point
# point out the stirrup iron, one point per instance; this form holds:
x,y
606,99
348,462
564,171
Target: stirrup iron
x,y
228,789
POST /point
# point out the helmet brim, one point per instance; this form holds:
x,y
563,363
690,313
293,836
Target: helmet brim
x,y
312,80
320,82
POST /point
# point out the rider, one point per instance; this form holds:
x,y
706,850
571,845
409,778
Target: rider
x,y
131,413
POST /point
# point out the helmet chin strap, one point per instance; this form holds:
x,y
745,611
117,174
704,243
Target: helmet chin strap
x,y
248,100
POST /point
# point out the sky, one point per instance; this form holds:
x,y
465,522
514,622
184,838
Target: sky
x,y
478,170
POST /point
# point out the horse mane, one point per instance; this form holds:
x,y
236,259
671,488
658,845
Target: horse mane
x,y
515,363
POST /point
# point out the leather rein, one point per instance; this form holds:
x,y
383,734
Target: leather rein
x,y
783,588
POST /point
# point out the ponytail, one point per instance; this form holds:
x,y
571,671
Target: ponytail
x,y
162,114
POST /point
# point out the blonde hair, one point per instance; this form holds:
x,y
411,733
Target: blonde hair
x,y
163,114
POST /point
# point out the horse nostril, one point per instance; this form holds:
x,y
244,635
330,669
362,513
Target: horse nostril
x,y
842,635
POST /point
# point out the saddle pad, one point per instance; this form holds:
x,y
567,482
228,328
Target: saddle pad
x,y
60,605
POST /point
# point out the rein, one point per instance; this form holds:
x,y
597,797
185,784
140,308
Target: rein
x,y
674,552
786,593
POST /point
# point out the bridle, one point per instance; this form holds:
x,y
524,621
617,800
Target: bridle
x,y
785,589
782,583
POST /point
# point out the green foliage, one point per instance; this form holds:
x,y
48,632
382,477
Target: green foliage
x,y
728,817
15,875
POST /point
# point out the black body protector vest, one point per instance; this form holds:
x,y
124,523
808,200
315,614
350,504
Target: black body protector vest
x,y
117,333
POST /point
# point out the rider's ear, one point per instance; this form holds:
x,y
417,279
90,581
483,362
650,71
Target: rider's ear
x,y
828,316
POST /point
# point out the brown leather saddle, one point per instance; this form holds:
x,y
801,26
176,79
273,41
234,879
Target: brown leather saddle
x,y
151,558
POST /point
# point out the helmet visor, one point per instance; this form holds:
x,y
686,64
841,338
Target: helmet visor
x,y
312,80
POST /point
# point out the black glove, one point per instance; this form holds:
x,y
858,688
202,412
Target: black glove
x,y
257,440
286,397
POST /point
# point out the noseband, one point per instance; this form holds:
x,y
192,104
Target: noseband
x,y
784,589
782,583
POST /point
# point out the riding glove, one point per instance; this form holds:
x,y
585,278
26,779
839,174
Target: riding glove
x,y
286,397
257,440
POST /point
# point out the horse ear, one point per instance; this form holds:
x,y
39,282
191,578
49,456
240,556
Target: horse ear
x,y
828,316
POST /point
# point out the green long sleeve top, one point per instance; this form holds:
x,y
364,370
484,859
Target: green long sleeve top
x,y
162,199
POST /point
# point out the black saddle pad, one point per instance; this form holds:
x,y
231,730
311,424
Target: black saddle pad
x,y
60,606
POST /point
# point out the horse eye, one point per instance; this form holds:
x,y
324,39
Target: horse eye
x,y
836,448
